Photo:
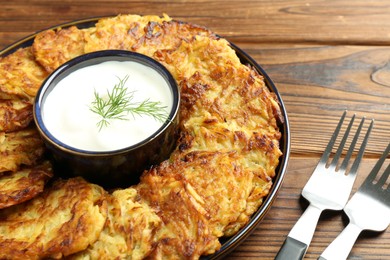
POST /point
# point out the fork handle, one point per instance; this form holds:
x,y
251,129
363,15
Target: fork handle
x,y
341,247
300,236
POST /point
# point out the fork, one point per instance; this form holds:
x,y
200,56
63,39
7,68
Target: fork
x,y
368,209
328,188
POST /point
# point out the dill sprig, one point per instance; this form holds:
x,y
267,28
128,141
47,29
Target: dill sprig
x,y
120,103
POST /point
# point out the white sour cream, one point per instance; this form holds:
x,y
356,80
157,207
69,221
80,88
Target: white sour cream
x,y
67,114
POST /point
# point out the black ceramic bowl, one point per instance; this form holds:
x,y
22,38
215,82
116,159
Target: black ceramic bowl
x,y
113,168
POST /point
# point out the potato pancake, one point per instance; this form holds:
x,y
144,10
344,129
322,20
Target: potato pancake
x,y
120,32
14,114
53,48
186,232
129,232
167,36
227,205
66,218
20,75
17,187
144,34
20,148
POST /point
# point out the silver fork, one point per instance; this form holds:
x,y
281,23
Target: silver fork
x,y
368,209
328,188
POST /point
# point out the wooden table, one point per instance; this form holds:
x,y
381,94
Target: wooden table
x,y
324,57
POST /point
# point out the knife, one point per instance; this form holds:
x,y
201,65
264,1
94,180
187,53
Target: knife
x,y
300,236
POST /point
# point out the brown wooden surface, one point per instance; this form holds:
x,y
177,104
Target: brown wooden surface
x,y
324,57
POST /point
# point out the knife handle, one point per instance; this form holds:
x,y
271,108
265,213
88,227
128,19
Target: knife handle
x,y
291,249
300,236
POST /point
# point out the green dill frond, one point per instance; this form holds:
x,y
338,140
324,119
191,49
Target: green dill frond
x,y
119,104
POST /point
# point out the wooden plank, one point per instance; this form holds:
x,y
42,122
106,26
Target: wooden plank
x,y
337,22
318,82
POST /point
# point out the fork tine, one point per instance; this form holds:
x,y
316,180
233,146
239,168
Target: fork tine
x,y
359,156
371,177
342,144
328,149
385,175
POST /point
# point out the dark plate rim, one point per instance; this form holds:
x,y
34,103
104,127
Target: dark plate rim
x,y
228,244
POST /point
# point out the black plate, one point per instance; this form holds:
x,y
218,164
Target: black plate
x,y
228,244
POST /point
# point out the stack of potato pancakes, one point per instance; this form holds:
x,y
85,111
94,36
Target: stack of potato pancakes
x,y
213,182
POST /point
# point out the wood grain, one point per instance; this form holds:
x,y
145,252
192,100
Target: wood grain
x,y
337,22
319,82
324,57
